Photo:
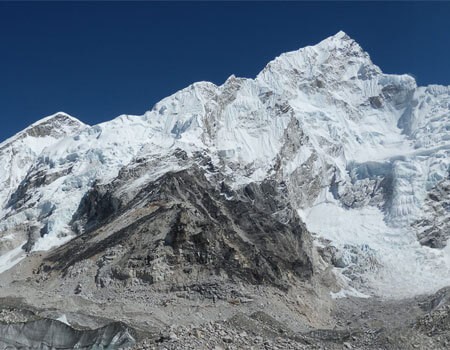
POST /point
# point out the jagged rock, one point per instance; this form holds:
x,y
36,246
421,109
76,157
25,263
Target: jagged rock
x,y
189,223
434,229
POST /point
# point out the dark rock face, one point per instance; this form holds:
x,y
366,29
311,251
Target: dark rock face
x,y
20,199
51,334
434,230
96,206
181,226
376,101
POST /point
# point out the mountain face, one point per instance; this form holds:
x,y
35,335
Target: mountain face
x,y
321,160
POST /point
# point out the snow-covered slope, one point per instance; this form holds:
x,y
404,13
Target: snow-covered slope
x,y
19,152
358,150
18,156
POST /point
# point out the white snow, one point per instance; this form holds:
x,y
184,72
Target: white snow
x,y
394,263
63,319
11,258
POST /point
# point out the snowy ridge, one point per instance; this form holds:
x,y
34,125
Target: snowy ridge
x,y
353,145
19,152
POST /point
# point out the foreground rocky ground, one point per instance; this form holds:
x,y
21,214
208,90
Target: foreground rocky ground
x,y
266,322
421,323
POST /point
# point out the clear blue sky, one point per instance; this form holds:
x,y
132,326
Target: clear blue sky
x,y
96,61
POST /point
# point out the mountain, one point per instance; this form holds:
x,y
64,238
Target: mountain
x,y
322,172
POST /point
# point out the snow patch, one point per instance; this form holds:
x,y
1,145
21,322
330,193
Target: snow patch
x,y
12,258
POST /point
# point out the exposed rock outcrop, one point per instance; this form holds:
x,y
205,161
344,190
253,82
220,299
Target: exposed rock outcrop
x,y
434,229
180,226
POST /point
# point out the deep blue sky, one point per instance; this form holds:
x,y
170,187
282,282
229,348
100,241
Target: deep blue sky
x,y
96,61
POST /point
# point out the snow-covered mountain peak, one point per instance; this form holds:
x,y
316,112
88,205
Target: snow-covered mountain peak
x,y
56,125
340,35
342,136
337,58
342,42
18,153
60,116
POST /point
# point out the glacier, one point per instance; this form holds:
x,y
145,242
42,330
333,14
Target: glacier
x,y
358,150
